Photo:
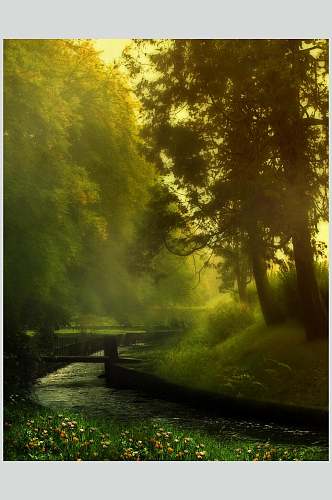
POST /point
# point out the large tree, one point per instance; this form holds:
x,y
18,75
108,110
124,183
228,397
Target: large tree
x,y
299,120
74,180
221,120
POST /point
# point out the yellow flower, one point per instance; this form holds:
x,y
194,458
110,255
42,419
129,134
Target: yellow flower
x,y
170,450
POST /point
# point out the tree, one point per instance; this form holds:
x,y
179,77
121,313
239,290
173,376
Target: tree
x,y
295,88
211,139
219,115
73,180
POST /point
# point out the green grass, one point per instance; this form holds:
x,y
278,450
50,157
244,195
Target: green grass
x,y
35,433
271,364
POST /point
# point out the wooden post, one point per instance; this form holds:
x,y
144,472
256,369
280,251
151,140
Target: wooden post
x,y
111,348
111,351
108,369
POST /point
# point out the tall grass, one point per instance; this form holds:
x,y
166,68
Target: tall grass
x,y
284,285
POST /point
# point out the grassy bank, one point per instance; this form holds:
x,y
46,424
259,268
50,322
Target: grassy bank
x,y
265,363
35,433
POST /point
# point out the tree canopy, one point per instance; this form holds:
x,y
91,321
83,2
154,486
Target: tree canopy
x,y
239,127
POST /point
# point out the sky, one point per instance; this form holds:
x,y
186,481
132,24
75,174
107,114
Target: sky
x,y
111,48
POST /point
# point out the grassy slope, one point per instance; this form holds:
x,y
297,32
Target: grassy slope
x,y
274,364
35,433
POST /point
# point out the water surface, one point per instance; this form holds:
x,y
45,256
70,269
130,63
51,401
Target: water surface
x,y
77,387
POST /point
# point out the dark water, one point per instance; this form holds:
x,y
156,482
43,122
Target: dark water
x,y
77,387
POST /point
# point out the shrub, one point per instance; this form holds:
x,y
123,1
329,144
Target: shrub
x,y
228,319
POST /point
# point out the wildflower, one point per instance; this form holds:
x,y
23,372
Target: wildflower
x,y
170,450
158,445
62,434
81,430
75,439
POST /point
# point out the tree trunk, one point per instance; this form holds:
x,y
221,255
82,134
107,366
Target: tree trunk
x,y
241,281
313,310
293,139
269,308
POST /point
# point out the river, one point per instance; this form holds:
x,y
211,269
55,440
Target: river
x,y
77,387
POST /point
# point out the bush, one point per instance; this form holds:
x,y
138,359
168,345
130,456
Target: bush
x,y
228,319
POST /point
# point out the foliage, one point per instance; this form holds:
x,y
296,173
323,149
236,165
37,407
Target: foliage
x,y
219,115
75,190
